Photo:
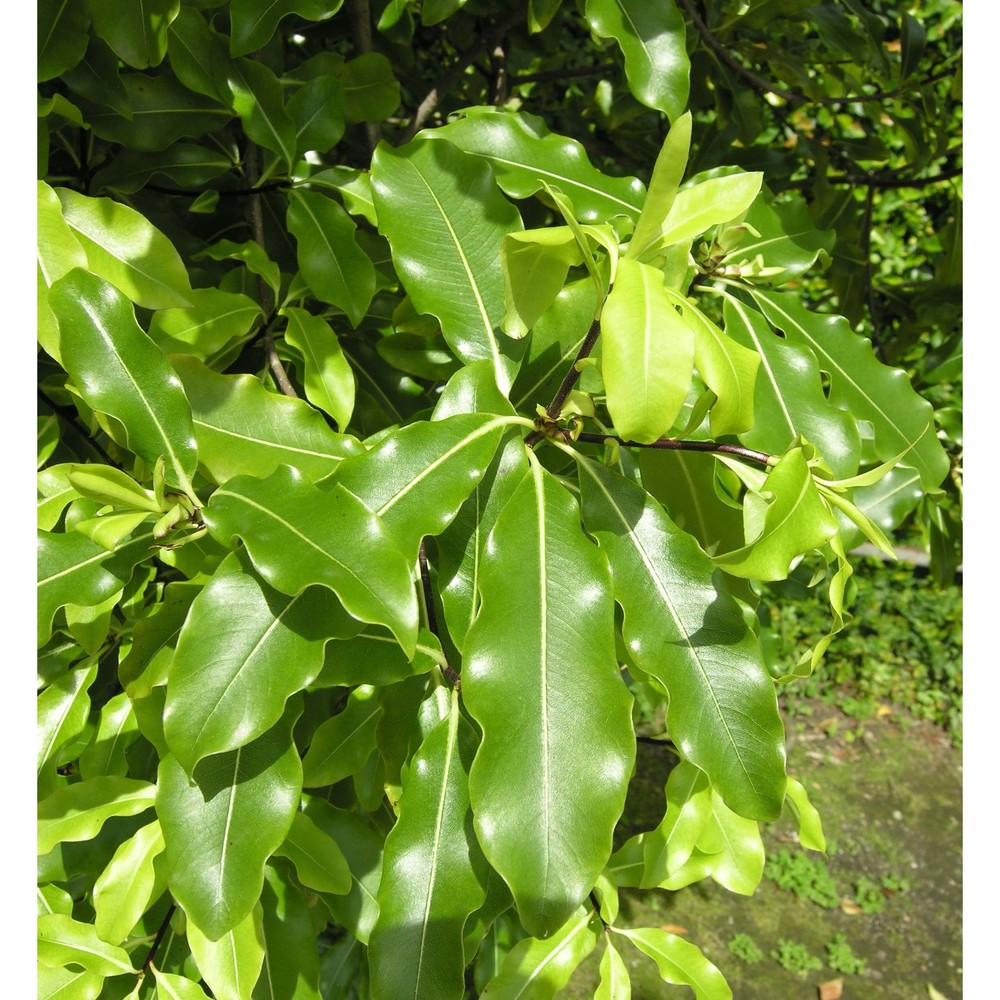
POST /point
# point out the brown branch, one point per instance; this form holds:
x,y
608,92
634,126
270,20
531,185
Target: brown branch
x,y
243,192
668,444
151,954
361,29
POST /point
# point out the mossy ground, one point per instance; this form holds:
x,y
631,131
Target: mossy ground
x,y
889,790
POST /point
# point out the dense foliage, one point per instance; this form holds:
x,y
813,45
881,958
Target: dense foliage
x,y
419,384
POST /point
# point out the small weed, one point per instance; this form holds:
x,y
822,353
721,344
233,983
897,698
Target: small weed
x,y
841,958
800,874
868,895
895,883
745,949
795,957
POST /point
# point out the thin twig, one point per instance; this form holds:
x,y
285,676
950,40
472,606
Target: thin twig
x,y
242,192
561,74
151,954
884,181
432,624
669,444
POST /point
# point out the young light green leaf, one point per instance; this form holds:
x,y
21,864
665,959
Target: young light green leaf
x,y
77,812
723,713
120,371
173,987
231,962
540,662
668,172
242,428
327,377
319,862
447,259
64,941
63,708
109,485
534,264
806,816
538,969
341,745
129,885
214,321
735,845
679,962
524,153
137,32
647,353
337,269
615,983
434,874
124,248
652,40
222,825
298,535
244,650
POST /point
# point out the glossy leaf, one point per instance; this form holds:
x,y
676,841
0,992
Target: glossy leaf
x,y
374,657
244,650
341,745
117,730
63,709
434,873
327,377
120,371
688,634
254,93
222,825
298,535
540,662
242,428
124,248
652,40
317,109
254,21
535,264
186,163
647,353
446,258
214,321
680,962
863,386
62,983
337,269
230,963
63,941
705,204
615,983
806,816
789,399
524,153
62,36
77,812
252,254
666,849
137,32
173,987
126,888
319,862
735,846
424,473
538,969
59,251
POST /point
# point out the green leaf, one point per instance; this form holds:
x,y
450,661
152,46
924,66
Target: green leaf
x,y
252,254
809,823
120,371
524,154
215,320
796,520
77,812
129,885
416,479
244,650
222,825
668,172
789,401
371,90
328,379
254,21
447,259
291,962
652,40
337,269
436,11
680,962
63,940
231,962
374,657
62,36
647,353
434,874
615,983
691,636
61,983
319,862
862,385
540,662
117,730
137,32
254,93
124,248
317,109
341,745
298,535
172,987
242,428
537,970
63,710
185,164
734,844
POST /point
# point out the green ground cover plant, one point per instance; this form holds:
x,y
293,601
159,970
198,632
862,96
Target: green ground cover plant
x,y
420,385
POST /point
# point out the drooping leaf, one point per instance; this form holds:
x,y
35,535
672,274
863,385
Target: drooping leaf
x,y
124,248
679,962
615,983
254,21
120,371
647,353
254,93
652,40
446,258
137,32
434,873
342,744
807,817
242,428
523,153
687,633
734,844
297,535
231,962
64,941
539,662
220,826
319,862
129,885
